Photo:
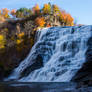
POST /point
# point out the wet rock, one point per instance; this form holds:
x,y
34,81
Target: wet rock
x,y
38,64
85,73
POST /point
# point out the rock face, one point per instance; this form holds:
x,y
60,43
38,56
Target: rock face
x,y
13,46
61,54
11,58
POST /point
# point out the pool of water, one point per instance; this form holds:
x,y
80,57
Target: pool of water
x,y
41,87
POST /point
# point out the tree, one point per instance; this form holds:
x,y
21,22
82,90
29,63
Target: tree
x,y
5,12
36,9
66,19
56,9
23,12
40,21
46,9
2,19
28,29
62,16
69,20
13,12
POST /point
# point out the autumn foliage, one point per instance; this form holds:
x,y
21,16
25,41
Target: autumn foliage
x,y
66,18
4,14
48,14
36,9
56,9
13,12
2,41
46,9
40,21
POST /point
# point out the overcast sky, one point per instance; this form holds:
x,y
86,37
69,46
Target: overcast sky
x,y
81,10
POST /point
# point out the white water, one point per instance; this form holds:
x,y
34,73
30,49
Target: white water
x,y
62,51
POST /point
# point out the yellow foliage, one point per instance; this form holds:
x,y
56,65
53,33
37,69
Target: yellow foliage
x,y
21,35
72,24
46,9
40,21
1,37
2,41
56,9
18,41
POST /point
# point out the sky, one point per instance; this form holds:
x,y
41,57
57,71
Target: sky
x,y
81,10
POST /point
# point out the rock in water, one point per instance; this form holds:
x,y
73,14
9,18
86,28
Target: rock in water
x,y
58,54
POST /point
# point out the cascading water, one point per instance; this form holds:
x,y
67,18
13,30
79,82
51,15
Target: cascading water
x,y
62,52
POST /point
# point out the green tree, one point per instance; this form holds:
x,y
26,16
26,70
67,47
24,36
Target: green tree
x,y
23,12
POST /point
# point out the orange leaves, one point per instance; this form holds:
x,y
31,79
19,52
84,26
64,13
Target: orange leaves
x,y
48,25
13,12
40,21
66,18
69,19
36,9
2,19
5,12
62,16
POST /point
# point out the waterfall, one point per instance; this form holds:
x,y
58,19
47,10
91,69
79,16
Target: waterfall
x,y
61,50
